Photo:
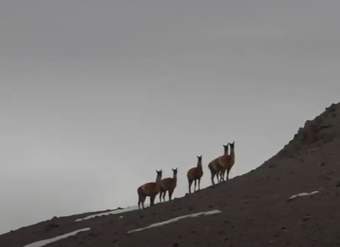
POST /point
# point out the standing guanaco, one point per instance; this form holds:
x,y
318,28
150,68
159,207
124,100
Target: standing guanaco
x,y
168,185
149,189
216,166
195,174
228,163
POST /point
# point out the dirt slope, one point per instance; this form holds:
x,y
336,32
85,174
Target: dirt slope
x,y
255,207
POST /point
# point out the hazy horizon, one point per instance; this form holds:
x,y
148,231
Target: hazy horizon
x,y
95,96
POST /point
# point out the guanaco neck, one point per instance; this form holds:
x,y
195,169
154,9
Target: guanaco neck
x,y
199,164
174,177
158,179
232,153
226,151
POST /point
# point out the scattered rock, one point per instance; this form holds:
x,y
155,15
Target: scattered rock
x,y
331,108
329,137
325,177
306,218
326,126
93,234
272,165
338,184
271,242
53,225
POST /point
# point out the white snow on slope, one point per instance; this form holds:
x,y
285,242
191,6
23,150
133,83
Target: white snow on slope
x,y
55,239
116,211
177,219
303,194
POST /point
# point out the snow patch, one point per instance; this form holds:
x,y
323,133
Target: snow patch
x,y
55,239
115,211
162,223
303,194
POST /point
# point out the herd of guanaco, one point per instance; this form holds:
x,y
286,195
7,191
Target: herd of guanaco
x,y
218,168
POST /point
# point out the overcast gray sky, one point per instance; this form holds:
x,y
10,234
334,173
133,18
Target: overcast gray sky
x,y
96,95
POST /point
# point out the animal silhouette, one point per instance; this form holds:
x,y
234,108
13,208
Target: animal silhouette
x,y
168,185
195,174
228,163
216,165
149,189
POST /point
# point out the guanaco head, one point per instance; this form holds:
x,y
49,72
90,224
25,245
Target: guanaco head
x,y
232,145
159,175
199,160
226,148
174,172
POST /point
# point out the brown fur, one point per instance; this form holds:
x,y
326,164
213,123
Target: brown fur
x,y
149,189
168,185
216,166
195,174
227,163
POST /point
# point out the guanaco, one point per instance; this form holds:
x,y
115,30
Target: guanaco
x,y
228,163
195,174
215,166
149,189
168,185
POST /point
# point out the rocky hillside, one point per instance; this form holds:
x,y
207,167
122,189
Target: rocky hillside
x,y
291,200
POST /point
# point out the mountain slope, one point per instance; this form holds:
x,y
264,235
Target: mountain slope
x,y
255,208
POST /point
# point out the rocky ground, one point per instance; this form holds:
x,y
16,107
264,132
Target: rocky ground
x,y
255,208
